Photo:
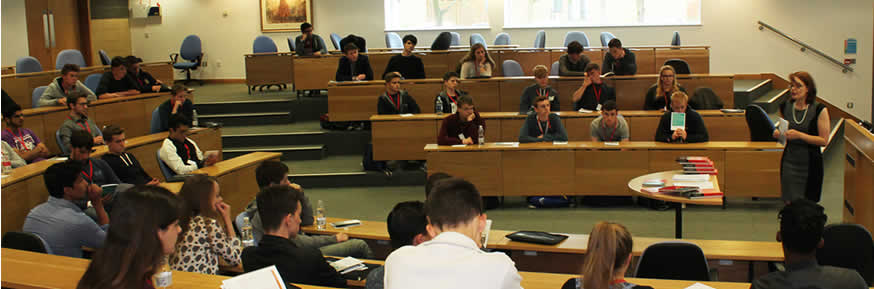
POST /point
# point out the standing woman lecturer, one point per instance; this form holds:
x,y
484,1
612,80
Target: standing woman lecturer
x,y
801,168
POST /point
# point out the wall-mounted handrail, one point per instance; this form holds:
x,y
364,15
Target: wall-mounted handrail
x,y
804,46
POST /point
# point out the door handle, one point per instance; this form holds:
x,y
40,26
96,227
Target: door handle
x,y
52,28
45,28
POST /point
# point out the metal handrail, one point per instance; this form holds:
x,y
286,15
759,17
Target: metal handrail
x,y
804,46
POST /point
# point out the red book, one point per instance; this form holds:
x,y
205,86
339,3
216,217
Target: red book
x,y
694,159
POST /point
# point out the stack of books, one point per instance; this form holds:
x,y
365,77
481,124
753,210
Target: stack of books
x,y
697,165
348,264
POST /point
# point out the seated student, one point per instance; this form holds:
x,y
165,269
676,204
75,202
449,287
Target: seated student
x,y
801,225
143,232
610,126
204,241
542,126
619,60
477,62
14,160
309,44
65,85
23,141
658,95
179,152
78,120
179,102
279,207
450,93
125,165
574,62
61,221
406,225
594,92
407,64
353,66
394,100
96,171
608,258
144,80
116,82
452,258
359,42
695,130
276,173
461,127
539,88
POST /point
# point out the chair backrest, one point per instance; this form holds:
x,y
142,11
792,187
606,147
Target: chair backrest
x,y
157,121
848,246
291,44
165,170
93,81
442,42
358,40
27,64
677,260
478,38
25,241
37,92
540,39
577,36
679,65
705,98
335,40
554,69
264,44
69,56
393,40
675,40
605,38
456,39
104,58
512,68
760,125
503,38
65,150
191,48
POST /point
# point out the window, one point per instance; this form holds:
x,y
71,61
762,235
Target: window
x,y
599,13
435,14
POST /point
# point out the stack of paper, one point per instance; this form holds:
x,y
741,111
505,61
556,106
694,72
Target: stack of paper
x,y
700,185
691,178
265,278
348,264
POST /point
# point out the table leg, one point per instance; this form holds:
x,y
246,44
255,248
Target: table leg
x,y
678,221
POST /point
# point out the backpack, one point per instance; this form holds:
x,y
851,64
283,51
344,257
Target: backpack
x,y
549,201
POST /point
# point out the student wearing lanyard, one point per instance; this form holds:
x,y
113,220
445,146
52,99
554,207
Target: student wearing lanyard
x,y
461,127
610,126
658,97
542,126
179,152
179,102
608,258
394,100
78,120
125,165
95,171
539,88
23,141
450,93
594,92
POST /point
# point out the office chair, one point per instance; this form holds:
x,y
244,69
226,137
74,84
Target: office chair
x,y
192,52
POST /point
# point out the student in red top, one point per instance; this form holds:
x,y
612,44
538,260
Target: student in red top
x,y
461,127
394,100
450,93
25,143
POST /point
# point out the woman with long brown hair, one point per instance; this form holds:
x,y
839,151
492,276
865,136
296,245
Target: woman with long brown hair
x,y
203,240
658,97
477,62
607,259
142,232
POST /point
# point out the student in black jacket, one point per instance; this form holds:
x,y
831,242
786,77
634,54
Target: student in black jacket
x,y
408,65
353,66
125,165
394,100
116,82
144,80
179,103
594,92
695,130
618,60
279,208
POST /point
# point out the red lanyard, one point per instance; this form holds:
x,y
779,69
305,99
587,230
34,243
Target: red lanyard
x,y
85,127
540,92
451,98
187,150
19,138
90,176
614,130
548,126
597,93
398,102
617,281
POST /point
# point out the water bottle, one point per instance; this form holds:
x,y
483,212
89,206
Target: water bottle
x,y
246,233
164,277
482,136
320,216
439,106
7,164
194,118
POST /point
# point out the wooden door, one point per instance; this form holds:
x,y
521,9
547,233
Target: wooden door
x,y
38,38
65,16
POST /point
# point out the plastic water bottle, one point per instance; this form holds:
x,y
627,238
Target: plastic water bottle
x,y
439,106
164,277
482,136
320,216
194,118
246,232
7,164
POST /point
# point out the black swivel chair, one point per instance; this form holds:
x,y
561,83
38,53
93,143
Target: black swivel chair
x,y
705,98
679,65
676,260
442,42
848,246
24,241
760,125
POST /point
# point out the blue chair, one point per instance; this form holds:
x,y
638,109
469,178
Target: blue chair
x,y
37,92
335,39
25,241
104,58
554,70
93,81
679,65
456,39
69,56
512,68
502,39
577,36
27,64
540,39
64,149
393,40
605,38
192,52
675,40
264,44
291,44
478,38
673,260
157,123
165,170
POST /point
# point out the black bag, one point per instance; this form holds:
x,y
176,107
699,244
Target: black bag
x,y
536,237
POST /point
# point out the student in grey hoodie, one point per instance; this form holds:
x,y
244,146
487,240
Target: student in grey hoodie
x,y
65,85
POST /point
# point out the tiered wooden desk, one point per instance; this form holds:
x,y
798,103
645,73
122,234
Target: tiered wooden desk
x,y
859,175
356,100
746,169
398,137
236,178
269,68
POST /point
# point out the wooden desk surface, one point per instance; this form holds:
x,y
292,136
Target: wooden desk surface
x,y
636,185
563,114
227,166
26,172
648,145
552,280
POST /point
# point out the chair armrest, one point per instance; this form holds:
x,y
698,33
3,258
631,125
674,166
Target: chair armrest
x,y
174,57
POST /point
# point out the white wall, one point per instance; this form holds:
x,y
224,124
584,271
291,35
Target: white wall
x,y
14,31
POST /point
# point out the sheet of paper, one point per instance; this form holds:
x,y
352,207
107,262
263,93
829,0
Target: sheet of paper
x,y
783,126
507,144
583,110
678,120
345,263
61,159
699,286
459,146
406,115
700,185
485,233
611,143
559,142
265,278
691,178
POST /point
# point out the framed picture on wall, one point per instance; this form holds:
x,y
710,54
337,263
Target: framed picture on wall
x,y
285,15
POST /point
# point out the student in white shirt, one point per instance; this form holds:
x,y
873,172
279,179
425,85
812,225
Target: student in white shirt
x,y
179,152
452,258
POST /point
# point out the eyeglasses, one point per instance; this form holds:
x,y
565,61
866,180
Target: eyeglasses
x,y
667,76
